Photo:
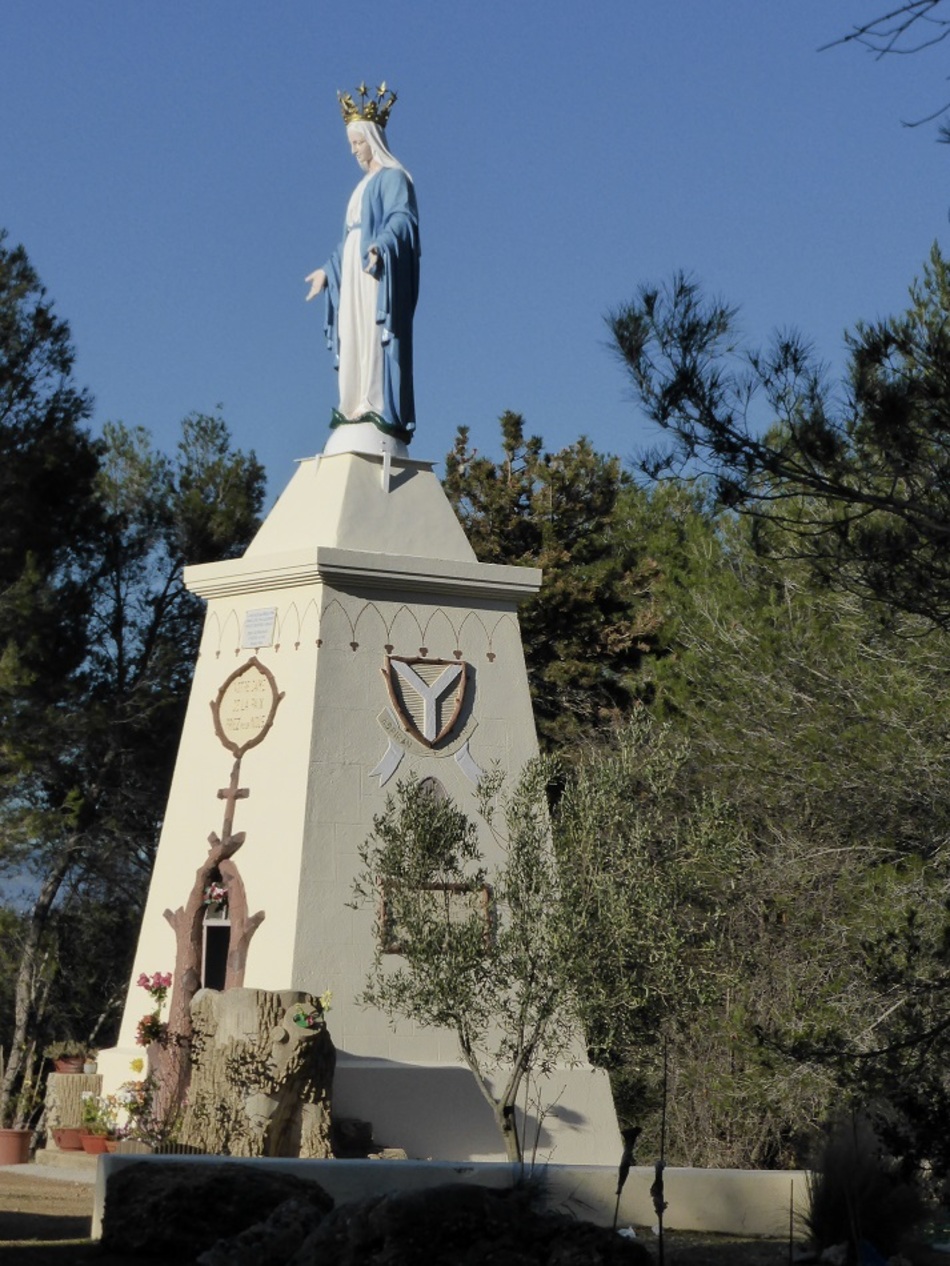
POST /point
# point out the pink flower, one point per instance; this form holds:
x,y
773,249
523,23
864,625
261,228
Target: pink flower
x,y
157,984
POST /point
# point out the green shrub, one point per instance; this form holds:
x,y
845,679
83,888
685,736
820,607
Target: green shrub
x,y
857,1194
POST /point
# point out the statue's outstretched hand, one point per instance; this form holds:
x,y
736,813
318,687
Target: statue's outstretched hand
x,y
372,261
318,282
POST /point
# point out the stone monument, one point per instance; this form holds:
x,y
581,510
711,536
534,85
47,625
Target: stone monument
x,y
357,641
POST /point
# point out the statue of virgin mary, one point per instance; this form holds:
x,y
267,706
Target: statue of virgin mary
x,y
371,280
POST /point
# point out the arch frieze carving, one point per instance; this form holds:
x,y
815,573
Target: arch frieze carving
x,y
440,632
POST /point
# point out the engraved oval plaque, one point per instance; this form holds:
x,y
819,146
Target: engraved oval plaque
x,y
245,706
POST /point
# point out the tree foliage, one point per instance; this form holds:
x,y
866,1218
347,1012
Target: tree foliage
x,y
480,945
47,456
97,641
752,868
48,466
821,730
648,865
737,859
910,27
859,477
587,630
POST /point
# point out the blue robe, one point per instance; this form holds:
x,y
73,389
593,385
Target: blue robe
x,y
389,221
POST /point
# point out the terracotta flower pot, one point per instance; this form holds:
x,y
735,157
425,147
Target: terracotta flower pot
x,y
94,1144
15,1146
69,1064
68,1140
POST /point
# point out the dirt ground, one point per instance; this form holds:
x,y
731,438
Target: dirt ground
x,y
46,1222
36,1212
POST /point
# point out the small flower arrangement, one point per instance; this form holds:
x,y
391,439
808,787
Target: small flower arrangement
x,y
136,1098
135,1104
156,986
308,1019
216,898
151,1027
100,1113
312,1018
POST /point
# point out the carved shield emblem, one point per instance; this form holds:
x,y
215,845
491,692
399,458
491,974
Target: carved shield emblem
x,y
427,695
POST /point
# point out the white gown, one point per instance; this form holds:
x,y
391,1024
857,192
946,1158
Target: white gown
x,y
361,347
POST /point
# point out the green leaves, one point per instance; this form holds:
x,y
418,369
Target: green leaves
x,y
647,867
593,621
97,644
861,476
478,944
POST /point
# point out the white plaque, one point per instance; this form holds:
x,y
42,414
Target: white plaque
x,y
259,628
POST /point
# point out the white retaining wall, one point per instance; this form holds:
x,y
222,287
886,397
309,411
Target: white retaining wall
x,y
723,1201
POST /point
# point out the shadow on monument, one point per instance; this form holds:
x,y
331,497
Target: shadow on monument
x,y
433,1112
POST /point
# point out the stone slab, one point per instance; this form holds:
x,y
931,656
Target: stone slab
x,y
69,1166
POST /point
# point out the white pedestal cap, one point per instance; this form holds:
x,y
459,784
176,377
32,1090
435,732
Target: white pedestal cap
x,y
363,437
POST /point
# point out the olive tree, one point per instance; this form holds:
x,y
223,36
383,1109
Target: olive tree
x,y
472,945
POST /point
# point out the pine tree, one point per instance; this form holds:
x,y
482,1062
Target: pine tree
x,y
588,629
97,642
859,476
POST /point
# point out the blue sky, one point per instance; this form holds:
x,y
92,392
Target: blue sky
x,y
174,169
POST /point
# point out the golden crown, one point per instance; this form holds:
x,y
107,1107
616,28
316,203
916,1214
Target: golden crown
x,y
370,109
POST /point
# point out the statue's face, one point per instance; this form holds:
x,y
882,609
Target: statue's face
x,y
362,151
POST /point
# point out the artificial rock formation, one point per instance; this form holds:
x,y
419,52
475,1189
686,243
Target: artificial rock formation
x,y
262,1075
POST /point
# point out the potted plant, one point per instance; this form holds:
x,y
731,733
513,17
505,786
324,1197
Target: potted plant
x,y
67,1057
15,1146
90,1063
99,1122
141,1131
16,1136
67,1138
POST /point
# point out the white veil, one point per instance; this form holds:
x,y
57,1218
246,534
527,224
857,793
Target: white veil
x,y
377,143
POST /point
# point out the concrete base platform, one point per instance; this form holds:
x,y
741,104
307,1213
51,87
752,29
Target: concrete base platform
x,y
57,1158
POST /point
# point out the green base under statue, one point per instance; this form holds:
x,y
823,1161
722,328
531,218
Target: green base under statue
x,y
387,428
